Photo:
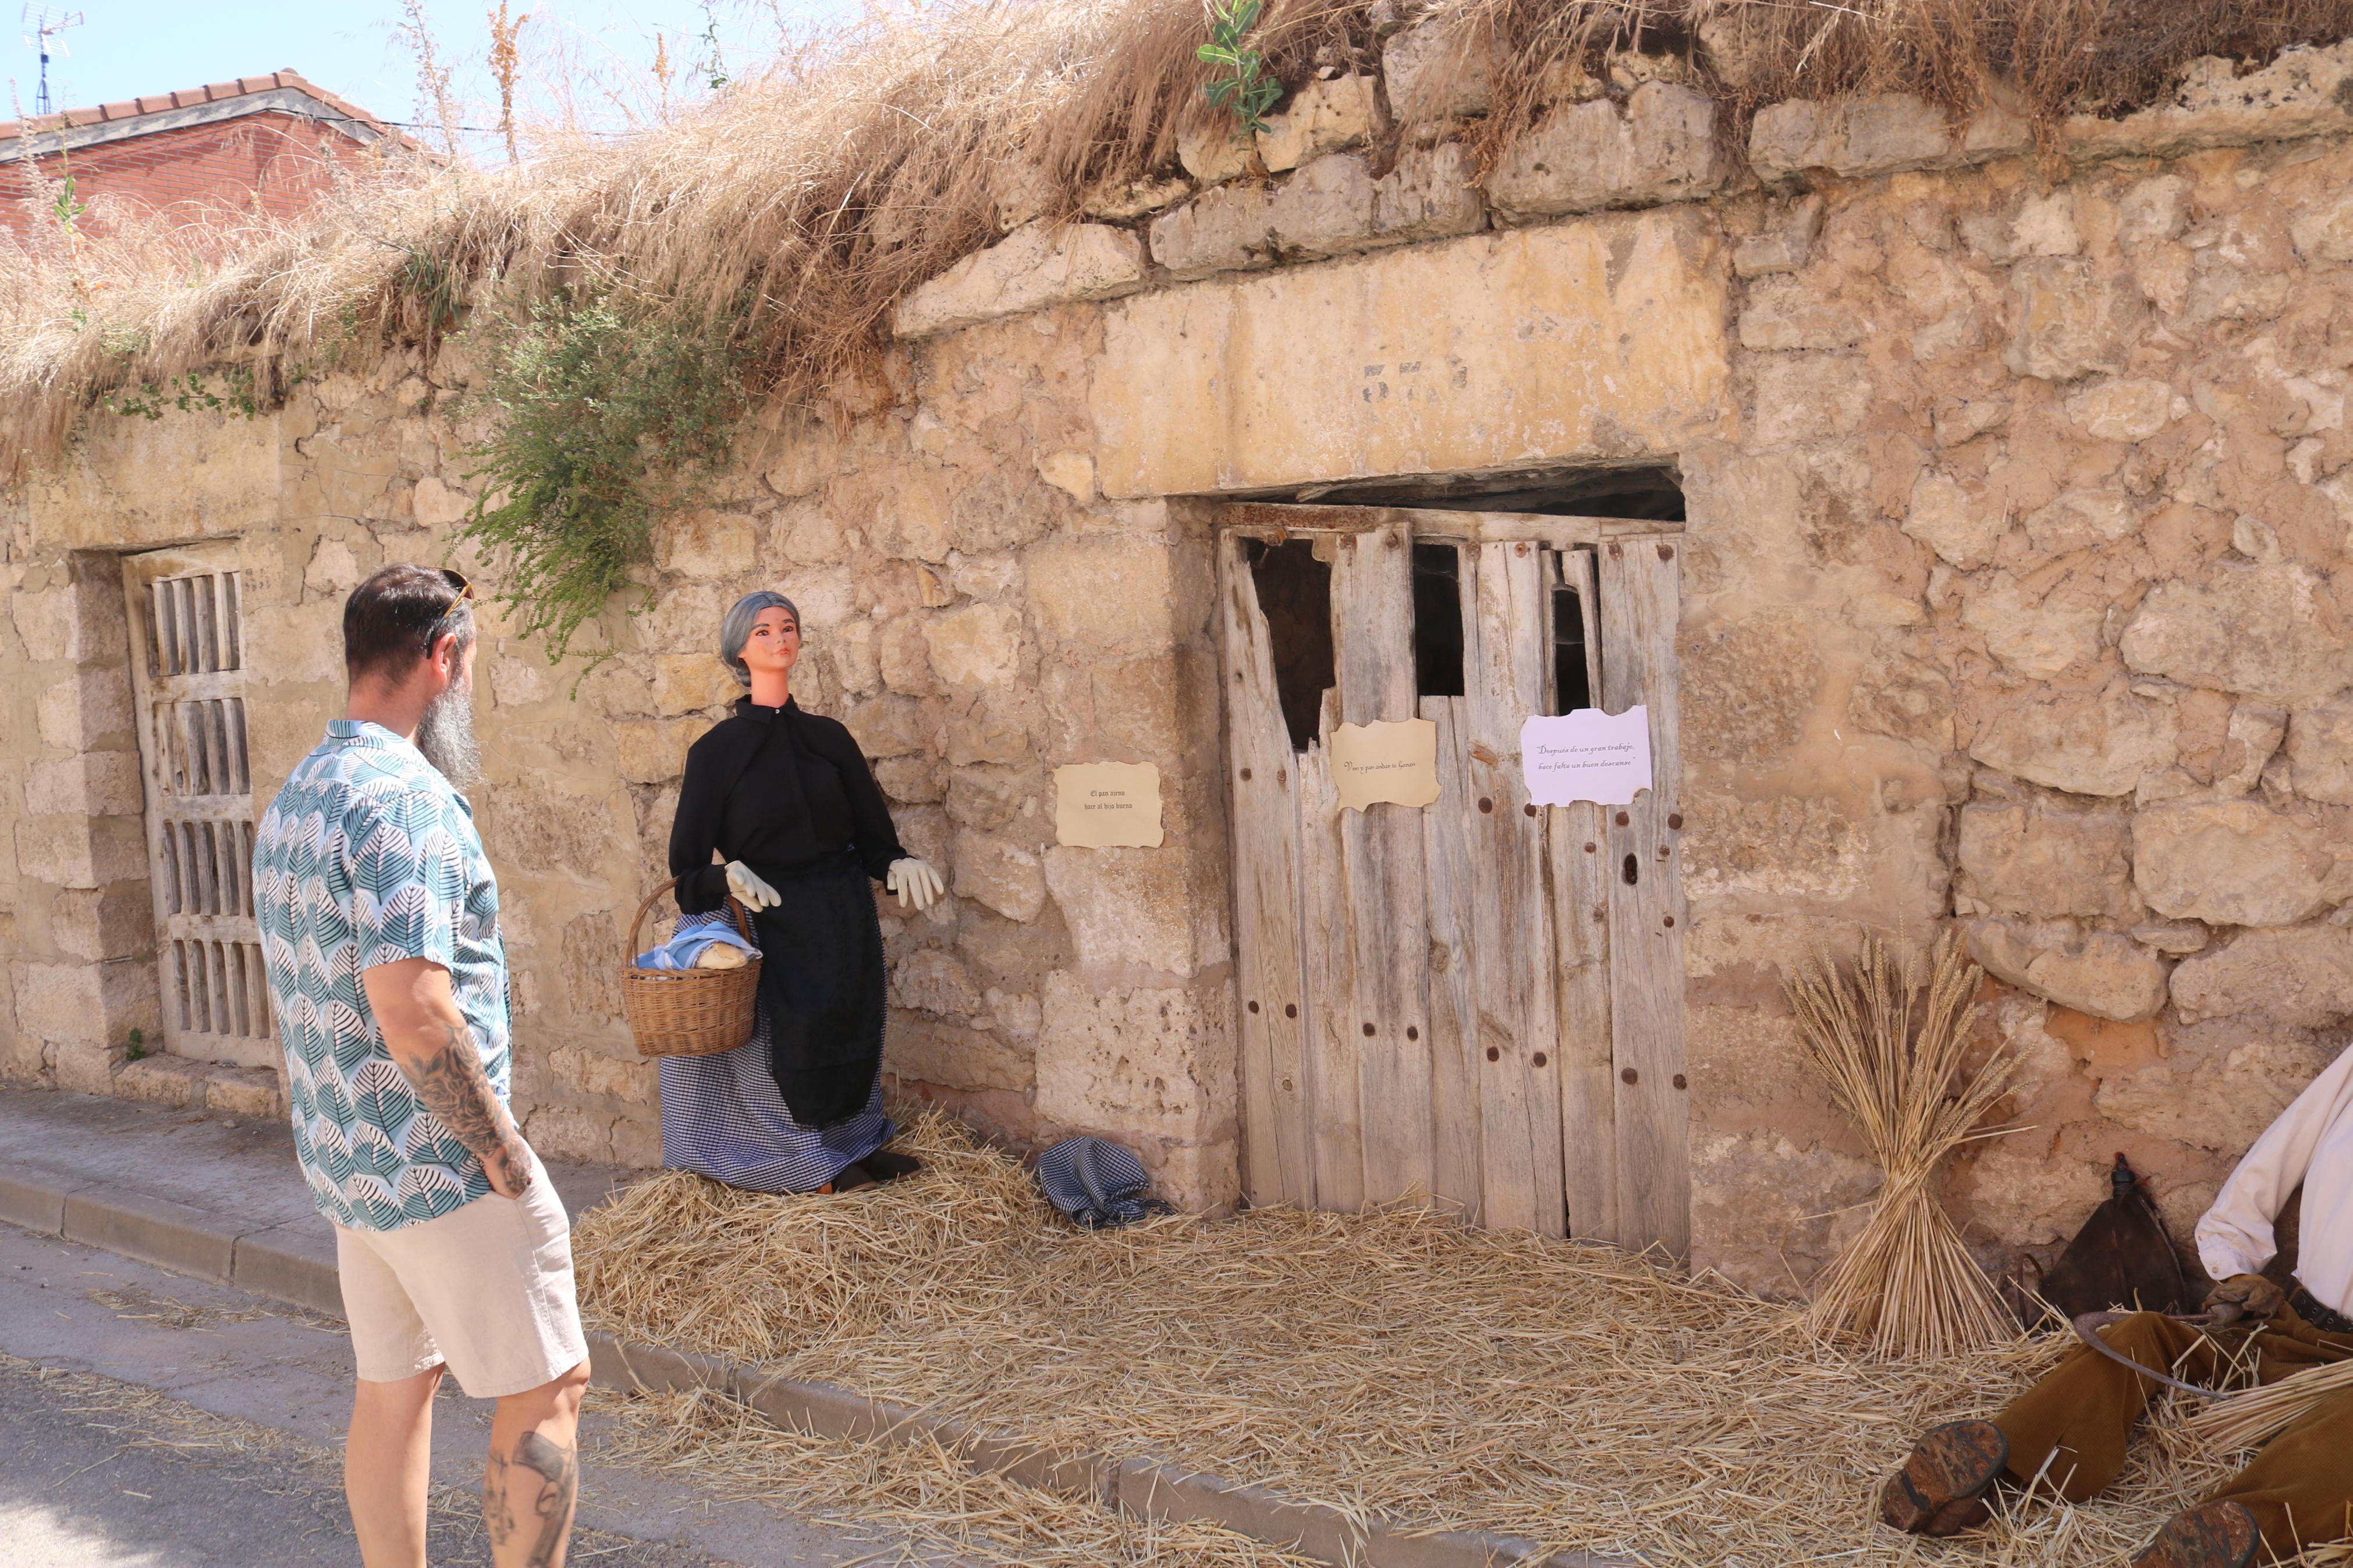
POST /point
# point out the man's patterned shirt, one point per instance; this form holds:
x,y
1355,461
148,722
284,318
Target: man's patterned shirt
x,y
367,857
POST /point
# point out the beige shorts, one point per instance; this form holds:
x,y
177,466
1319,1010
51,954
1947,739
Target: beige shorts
x,y
487,1288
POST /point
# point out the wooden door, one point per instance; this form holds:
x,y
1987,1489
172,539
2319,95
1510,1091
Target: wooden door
x,y
188,672
1479,1000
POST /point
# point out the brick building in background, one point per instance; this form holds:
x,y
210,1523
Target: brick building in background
x,y
272,143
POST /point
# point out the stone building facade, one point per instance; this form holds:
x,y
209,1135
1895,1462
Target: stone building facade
x,y
2017,591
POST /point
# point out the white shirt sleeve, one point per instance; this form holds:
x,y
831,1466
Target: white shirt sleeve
x,y
2235,1235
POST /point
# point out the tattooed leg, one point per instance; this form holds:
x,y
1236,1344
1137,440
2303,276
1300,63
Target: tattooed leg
x,y
532,1482
454,1087
528,1498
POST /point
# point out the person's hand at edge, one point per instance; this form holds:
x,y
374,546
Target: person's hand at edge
x,y
918,886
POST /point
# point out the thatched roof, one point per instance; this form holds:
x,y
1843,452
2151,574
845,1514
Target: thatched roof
x,y
798,208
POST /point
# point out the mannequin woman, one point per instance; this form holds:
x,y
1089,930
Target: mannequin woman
x,y
787,800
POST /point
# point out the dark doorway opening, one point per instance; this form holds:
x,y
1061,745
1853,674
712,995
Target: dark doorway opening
x,y
1652,492
1294,594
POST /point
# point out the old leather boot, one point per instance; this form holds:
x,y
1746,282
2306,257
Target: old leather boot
x,y
2211,1535
1941,1490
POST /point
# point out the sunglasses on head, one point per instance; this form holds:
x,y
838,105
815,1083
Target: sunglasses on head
x,y
462,591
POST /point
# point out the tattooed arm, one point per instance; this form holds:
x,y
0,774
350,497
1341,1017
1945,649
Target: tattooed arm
x,y
435,1050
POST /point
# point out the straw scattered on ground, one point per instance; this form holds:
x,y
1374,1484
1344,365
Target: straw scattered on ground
x,y
1392,1363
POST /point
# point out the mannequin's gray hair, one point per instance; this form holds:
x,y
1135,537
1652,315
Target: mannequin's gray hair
x,y
736,629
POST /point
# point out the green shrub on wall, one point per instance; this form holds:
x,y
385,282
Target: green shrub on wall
x,y
604,421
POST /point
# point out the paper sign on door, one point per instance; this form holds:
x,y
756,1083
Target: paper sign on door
x,y
1393,760
1586,756
1104,806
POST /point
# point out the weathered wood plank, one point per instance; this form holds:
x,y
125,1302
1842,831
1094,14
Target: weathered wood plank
x,y
1640,602
1513,951
1454,1012
1580,894
1388,929
1278,1157
1329,1053
1271,518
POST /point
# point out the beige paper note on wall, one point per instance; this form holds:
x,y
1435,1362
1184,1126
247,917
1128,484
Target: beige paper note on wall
x,y
1393,762
1107,805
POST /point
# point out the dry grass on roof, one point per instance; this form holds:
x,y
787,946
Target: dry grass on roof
x,y
1393,1363
800,206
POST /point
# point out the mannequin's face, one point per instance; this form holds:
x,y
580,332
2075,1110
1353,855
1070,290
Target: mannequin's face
x,y
775,642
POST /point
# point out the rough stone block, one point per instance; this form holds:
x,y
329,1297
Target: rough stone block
x,y
2099,744
1661,148
905,658
893,727
1150,1060
691,683
2302,93
163,1081
80,621
94,784
1428,195
82,852
928,1049
1323,117
1003,876
930,980
244,1091
2103,974
1789,314
2320,752
440,504
86,1067
1963,528
2073,319
1215,152
93,924
2270,632
653,751
1850,137
87,712
1127,909
2037,635
1326,209
92,1004
977,645
1808,397
2231,862
709,545
2045,858
1113,594
2129,409
1438,73
1132,199
2300,977
1028,270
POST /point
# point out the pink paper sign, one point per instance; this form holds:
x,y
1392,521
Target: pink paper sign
x,y
1586,756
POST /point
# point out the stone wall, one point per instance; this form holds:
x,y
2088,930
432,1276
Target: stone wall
x,y
2017,595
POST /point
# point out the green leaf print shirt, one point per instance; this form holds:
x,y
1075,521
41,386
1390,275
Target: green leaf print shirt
x,y
368,856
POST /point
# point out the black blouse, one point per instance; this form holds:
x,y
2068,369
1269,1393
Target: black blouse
x,y
785,792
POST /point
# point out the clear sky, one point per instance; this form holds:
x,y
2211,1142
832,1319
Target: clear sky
x,y
604,50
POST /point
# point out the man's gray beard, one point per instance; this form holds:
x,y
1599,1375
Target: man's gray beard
x,y
445,735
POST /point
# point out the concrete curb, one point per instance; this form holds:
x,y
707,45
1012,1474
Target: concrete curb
x,y
295,1263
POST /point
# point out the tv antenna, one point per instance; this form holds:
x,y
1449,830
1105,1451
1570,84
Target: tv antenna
x,y
47,24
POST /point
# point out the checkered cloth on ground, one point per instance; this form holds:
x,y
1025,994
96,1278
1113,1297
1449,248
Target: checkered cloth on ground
x,y
1096,1183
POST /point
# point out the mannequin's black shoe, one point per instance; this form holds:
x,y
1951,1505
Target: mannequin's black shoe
x,y
889,1167
1941,1487
851,1177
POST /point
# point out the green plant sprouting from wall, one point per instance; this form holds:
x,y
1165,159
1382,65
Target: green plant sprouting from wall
x,y
190,393
605,421
1246,89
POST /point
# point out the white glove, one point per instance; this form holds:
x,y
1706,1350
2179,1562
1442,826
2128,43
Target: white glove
x,y
749,891
917,885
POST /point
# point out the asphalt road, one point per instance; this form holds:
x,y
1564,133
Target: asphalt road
x,y
97,1474
152,1420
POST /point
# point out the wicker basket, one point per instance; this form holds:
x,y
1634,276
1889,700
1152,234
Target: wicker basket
x,y
688,1012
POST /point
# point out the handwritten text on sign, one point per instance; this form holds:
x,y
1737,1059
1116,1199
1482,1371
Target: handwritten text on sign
x,y
1586,756
1104,806
1393,760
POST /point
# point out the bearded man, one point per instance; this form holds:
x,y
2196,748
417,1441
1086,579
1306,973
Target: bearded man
x,y
380,935
2068,1432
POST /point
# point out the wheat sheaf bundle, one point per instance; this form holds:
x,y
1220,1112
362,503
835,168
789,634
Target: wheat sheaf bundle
x,y
2251,1418
1893,1048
